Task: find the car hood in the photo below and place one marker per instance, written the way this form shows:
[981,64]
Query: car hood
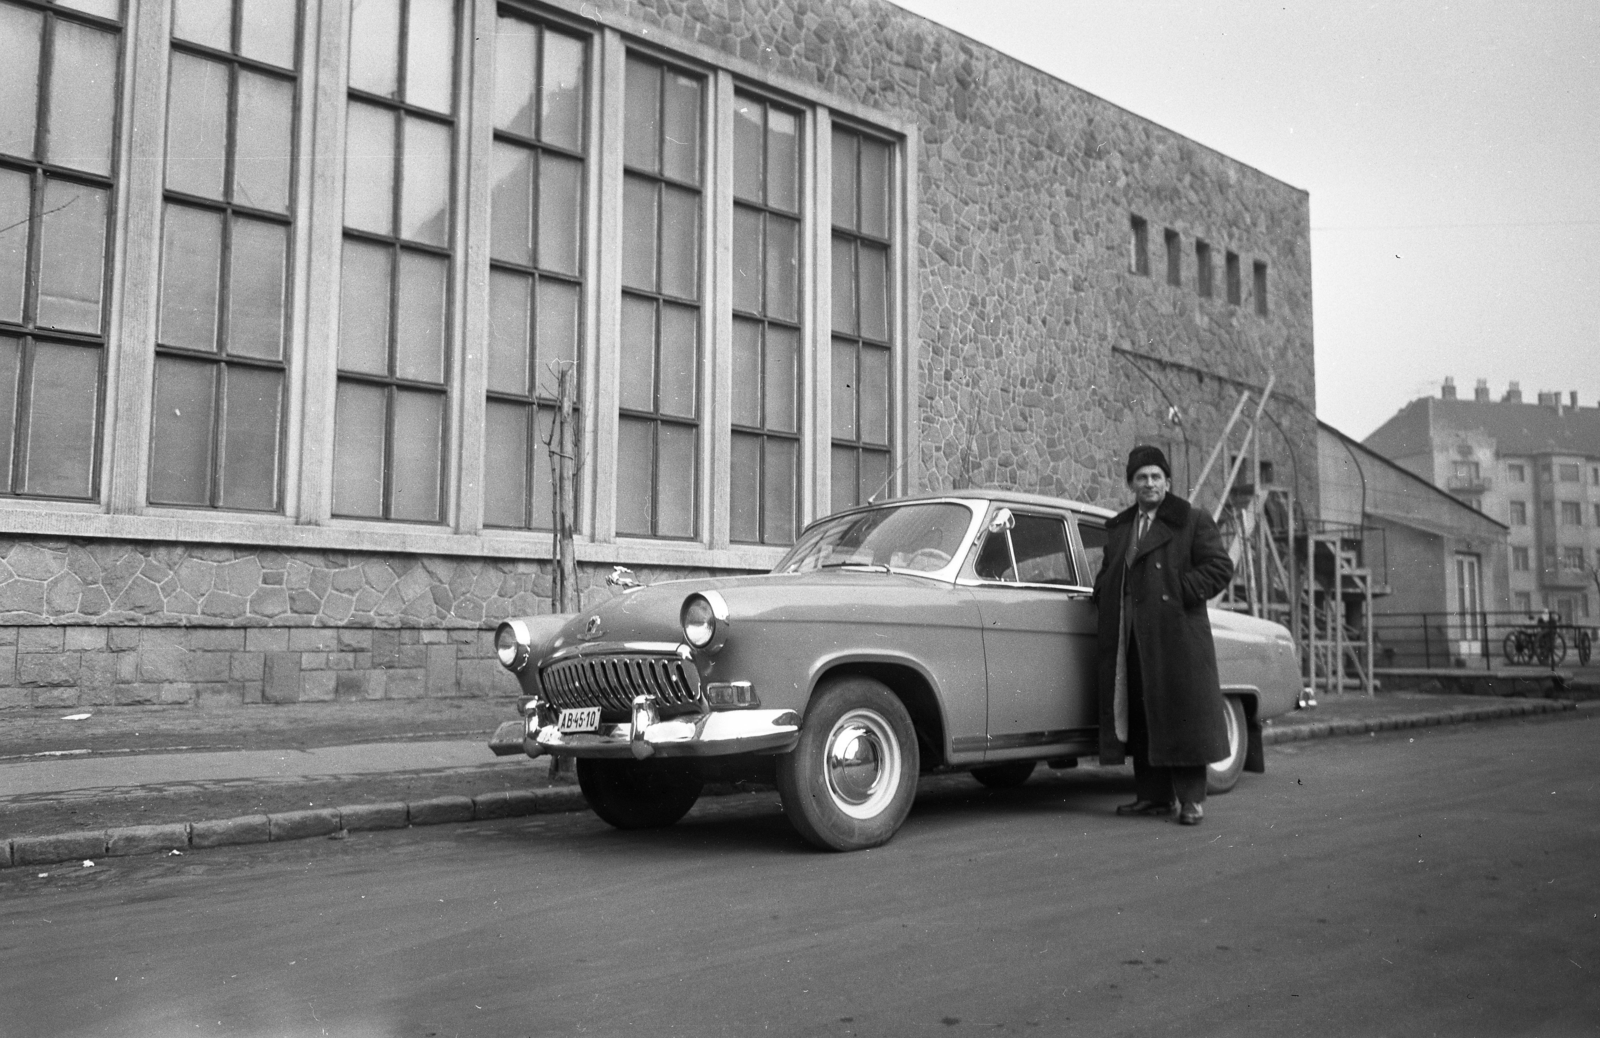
[650,613]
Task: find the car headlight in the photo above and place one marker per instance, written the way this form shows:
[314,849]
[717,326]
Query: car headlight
[704,617]
[513,645]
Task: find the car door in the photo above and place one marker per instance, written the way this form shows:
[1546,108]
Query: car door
[1038,635]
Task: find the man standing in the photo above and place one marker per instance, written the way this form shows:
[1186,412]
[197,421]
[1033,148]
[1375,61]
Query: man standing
[1160,700]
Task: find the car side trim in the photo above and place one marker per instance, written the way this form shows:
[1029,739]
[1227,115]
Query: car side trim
[1021,740]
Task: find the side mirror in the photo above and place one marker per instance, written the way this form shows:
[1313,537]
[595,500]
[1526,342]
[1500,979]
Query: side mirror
[1003,520]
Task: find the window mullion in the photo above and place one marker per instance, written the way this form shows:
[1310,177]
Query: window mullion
[130,365]
[716,418]
[608,282]
[818,430]
[475,134]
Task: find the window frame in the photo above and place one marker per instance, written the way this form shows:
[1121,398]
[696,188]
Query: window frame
[859,342]
[222,358]
[401,110]
[539,407]
[801,324]
[27,332]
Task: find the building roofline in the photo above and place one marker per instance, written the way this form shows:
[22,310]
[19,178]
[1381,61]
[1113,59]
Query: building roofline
[1407,473]
[1089,93]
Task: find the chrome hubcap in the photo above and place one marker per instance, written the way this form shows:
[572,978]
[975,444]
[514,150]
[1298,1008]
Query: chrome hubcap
[863,763]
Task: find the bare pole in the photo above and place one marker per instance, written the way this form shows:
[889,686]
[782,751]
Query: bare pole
[561,445]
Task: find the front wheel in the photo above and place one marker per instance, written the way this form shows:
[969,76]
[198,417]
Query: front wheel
[1224,774]
[639,794]
[849,782]
[1518,650]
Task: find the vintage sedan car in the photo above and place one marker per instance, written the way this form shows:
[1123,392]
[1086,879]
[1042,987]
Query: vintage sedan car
[946,632]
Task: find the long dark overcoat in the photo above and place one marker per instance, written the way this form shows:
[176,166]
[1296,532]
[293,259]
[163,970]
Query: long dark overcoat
[1181,564]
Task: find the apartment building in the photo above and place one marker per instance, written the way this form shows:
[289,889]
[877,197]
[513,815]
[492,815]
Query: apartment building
[1534,466]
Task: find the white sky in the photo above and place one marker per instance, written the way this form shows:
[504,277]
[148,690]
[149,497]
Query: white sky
[1451,150]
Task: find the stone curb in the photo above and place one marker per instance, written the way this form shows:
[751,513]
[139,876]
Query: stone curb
[1325,729]
[285,825]
[299,825]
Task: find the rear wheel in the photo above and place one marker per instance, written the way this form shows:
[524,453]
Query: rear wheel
[1224,774]
[1009,775]
[635,794]
[849,782]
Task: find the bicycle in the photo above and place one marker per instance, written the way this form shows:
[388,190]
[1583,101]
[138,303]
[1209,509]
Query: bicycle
[1583,641]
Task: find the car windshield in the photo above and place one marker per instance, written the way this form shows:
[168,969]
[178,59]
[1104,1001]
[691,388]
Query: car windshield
[921,538]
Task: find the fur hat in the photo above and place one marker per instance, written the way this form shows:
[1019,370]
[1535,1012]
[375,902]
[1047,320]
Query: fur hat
[1144,455]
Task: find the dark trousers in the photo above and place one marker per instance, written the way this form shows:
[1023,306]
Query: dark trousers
[1184,783]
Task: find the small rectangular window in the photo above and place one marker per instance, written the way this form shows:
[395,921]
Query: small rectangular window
[1519,559]
[1517,473]
[1174,258]
[1571,473]
[1202,269]
[1524,601]
[1519,513]
[1139,243]
[1571,513]
[1260,271]
[1234,288]
[1572,558]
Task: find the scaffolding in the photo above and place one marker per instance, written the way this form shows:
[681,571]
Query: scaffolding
[1309,576]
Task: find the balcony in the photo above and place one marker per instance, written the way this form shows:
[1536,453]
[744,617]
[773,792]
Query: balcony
[1564,577]
[1468,486]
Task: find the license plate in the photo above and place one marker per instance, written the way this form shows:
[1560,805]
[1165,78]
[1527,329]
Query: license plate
[579,719]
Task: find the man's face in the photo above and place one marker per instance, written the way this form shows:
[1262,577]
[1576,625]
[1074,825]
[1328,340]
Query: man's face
[1150,485]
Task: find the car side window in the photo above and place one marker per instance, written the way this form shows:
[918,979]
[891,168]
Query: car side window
[1094,537]
[1039,545]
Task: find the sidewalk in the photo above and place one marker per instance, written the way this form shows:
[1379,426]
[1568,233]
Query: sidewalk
[136,780]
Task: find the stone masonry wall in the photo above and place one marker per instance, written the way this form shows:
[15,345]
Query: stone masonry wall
[102,623]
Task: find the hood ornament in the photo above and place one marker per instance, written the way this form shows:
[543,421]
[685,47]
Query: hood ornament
[622,576]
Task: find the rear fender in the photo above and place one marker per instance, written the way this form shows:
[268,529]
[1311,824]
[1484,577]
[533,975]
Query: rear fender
[1255,756]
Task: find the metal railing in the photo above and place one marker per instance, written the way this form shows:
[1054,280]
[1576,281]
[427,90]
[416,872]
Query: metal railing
[1481,641]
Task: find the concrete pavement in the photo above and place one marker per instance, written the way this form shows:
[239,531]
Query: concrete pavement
[216,778]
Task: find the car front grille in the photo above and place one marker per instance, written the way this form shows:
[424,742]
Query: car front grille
[611,681]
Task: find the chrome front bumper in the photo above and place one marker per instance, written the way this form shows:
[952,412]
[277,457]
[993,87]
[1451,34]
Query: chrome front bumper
[713,734]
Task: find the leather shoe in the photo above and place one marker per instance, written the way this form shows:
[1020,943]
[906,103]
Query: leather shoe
[1145,808]
[1190,814]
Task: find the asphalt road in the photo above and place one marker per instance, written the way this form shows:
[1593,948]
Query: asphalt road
[1439,881]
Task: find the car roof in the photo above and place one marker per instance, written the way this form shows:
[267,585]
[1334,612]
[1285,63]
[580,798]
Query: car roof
[1010,497]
